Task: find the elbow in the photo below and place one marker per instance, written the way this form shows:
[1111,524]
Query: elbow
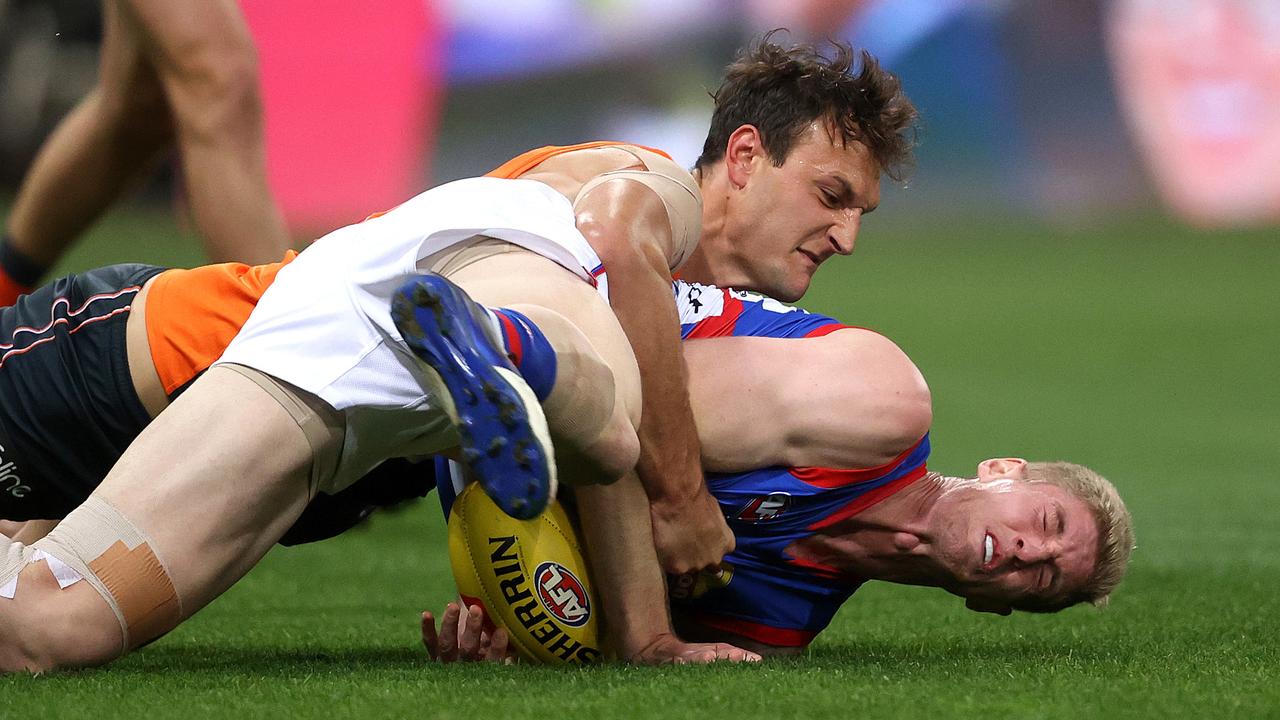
[908,417]
[910,423]
[909,413]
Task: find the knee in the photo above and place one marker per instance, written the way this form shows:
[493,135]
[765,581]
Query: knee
[43,627]
[617,450]
[137,116]
[214,88]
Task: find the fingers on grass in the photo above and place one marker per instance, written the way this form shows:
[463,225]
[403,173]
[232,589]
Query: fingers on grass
[429,638]
[469,642]
[499,646]
[448,644]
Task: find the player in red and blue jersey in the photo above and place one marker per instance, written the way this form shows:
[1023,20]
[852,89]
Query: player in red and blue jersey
[763,591]
[849,497]
[814,441]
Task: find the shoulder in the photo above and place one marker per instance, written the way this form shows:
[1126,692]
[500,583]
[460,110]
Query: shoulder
[873,364]
[583,162]
[708,311]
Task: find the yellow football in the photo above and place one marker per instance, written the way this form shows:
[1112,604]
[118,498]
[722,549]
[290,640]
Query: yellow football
[529,576]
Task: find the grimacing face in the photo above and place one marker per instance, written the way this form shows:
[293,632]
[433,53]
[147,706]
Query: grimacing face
[787,220]
[1009,542]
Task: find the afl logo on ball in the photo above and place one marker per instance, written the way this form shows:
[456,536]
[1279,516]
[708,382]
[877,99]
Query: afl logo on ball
[562,594]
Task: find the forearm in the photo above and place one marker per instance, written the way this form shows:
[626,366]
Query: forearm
[624,565]
[669,467]
[695,632]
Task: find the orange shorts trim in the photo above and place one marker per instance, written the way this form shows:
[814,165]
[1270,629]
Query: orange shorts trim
[192,315]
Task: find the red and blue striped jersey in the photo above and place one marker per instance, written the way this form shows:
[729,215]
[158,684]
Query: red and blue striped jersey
[707,311]
[763,591]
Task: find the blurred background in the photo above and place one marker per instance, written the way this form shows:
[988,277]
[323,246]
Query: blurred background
[1067,111]
[1084,264]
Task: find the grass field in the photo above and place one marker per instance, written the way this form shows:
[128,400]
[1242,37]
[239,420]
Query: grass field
[1144,349]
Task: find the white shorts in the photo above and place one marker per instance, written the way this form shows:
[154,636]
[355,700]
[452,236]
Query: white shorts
[325,323]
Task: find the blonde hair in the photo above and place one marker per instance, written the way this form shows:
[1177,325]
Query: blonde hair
[1115,526]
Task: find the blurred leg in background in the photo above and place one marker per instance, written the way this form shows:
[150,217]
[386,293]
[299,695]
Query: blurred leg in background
[183,73]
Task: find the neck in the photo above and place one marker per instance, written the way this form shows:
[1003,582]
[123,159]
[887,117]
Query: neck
[891,540]
[708,263]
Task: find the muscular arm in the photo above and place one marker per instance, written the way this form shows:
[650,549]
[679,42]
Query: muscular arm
[630,584]
[850,399]
[624,566]
[628,226]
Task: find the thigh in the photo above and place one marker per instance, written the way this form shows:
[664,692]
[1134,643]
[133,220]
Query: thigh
[213,482]
[125,72]
[521,277]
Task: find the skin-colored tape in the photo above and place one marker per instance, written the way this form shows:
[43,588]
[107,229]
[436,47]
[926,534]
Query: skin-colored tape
[321,424]
[141,588]
[681,199]
[458,256]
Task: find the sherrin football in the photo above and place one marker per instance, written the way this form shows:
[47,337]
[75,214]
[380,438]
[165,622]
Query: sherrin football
[529,576]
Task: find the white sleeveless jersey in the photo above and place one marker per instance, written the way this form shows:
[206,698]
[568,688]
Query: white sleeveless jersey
[324,324]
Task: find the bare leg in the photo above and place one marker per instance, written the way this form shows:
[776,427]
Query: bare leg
[248,470]
[33,530]
[45,626]
[212,497]
[594,407]
[98,150]
[206,62]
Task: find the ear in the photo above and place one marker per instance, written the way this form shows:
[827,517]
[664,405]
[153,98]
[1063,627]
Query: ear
[1001,468]
[994,607]
[745,145]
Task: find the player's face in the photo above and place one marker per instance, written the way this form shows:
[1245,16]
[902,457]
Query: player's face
[1008,541]
[789,219]
[1201,82]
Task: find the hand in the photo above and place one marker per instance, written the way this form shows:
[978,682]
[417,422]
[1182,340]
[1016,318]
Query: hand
[690,536]
[668,649]
[462,638]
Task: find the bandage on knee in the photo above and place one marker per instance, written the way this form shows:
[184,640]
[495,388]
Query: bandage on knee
[119,561]
[13,557]
[17,556]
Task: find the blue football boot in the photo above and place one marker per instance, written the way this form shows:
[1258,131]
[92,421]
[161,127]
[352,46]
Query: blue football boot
[502,431]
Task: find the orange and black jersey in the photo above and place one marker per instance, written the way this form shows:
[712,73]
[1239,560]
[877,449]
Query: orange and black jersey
[192,315]
[68,407]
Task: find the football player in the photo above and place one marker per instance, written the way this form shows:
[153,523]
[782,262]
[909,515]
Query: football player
[342,363]
[831,491]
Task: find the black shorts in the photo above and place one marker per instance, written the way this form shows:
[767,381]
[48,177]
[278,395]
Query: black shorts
[68,408]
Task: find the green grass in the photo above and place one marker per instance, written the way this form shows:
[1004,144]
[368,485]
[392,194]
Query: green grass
[1144,349]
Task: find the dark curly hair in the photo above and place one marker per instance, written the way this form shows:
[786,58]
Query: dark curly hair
[782,90]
